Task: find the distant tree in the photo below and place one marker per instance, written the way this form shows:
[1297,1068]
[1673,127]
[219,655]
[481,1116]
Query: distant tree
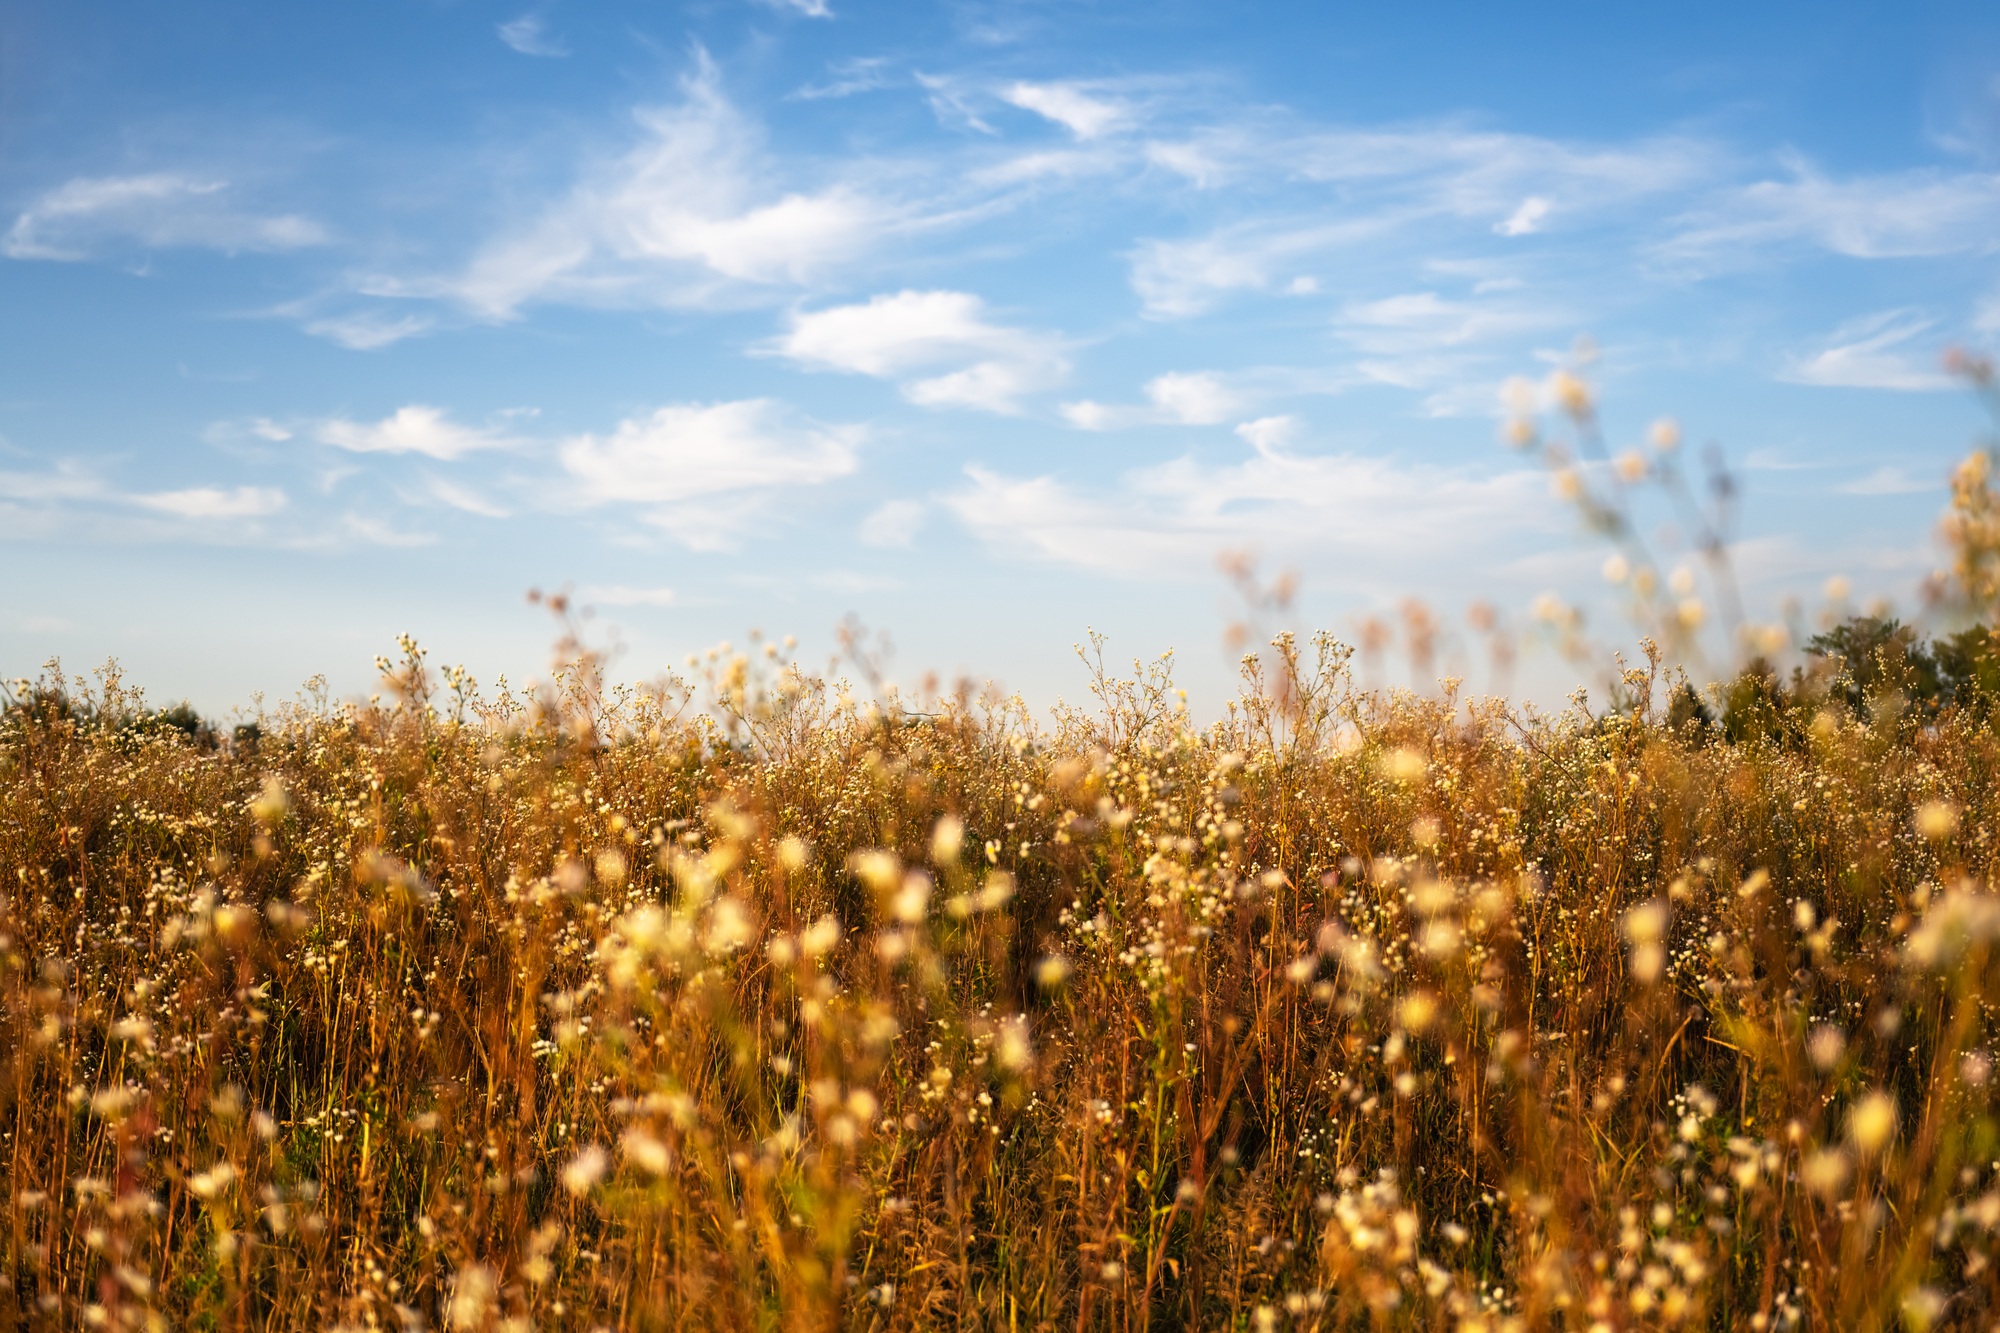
[1877,660]
[180,721]
[43,705]
[1875,657]
[1968,667]
[1758,705]
[182,718]
[48,705]
[1687,711]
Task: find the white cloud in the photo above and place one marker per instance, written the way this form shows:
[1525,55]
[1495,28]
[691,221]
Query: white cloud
[1172,520]
[415,429]
[1447,171]
[702,472]
[1177,279]
[1436,168]
[250,433]
[71,499]
[1901,214]
[1092,415]
[1198,163]
[890,334]
[1418,322]
[686,218]
[373,531]
[161,210]
[1887,481]
[365,331]
[700,211]
[1446,168]
[812,9]
[894,337]
[1411,186]
[53,494]
[69,480]
[726,456]
[951,104]
[1193,399]
[894,523]
[1178,398]
[1525,220]
[212,502]
[864,74]
[1445,348]
[1082,115]
[466,499]
[530,36]
[1872,353]
[1467,394]
[1268,435]
[1062,166]
[989,386]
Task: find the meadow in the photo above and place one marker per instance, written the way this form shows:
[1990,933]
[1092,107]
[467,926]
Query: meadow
[747,1001]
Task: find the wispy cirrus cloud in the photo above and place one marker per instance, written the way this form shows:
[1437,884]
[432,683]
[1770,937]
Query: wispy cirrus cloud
[1392,189]
[1888,481]
[366,529]
[846,78]
[812,9]
[1482,174]
[1419,322]
[465,499]
[529,34]
[1878,351]
[694,214]
[370,330]
[89,215]
[1905,214]
[955,103]
[1084,114]
[1179,279]
[1453,349]
[700,211]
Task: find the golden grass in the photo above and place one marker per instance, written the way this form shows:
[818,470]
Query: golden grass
[755,1007]
[588,1011]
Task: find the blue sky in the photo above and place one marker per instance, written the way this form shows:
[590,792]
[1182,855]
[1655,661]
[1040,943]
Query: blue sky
[983,322]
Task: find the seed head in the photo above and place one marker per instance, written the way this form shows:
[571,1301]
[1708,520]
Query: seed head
[1871,1123]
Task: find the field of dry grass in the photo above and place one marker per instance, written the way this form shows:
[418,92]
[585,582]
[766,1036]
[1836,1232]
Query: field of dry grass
[757,1006]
